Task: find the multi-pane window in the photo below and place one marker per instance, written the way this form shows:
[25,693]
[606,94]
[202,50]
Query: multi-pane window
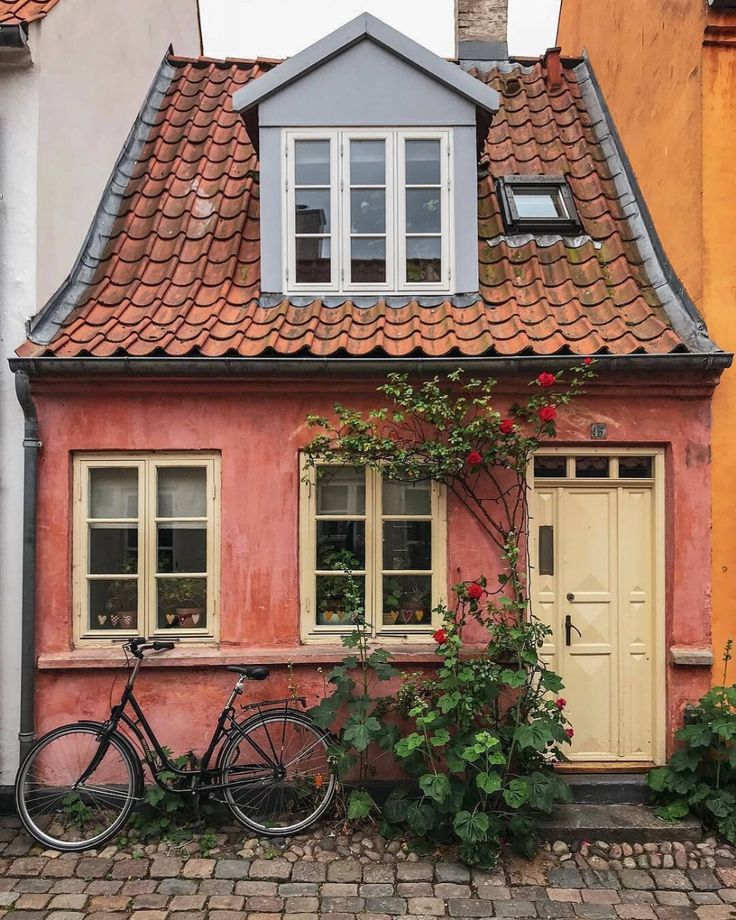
[145,546]
[390,535]
[367,211]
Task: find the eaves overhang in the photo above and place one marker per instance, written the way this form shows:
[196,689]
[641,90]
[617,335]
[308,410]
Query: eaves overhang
[366,27]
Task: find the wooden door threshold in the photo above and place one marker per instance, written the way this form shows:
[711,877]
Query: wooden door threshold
[597,766]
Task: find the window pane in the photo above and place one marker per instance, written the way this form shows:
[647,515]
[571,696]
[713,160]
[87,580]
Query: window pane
[422,162]
[182,548]
[313,260]
[312,210]
[550,467]
[340,490]
[113,550]
[340,543]
[407,600]
[113,604]
[182,603]
[591,467]
[113,493]
[423,259]
[635,467]
[368,260]
[407,497]
[182,491]
[539,203]
[367,162]
[423,210]
[312,165]
[331,599]
[407,545]
[368,211]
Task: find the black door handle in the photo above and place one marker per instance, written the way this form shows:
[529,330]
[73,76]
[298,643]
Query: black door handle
[569,626]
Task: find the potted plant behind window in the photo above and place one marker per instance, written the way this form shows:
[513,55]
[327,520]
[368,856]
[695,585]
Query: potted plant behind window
[414,604]
[183,600]
[331,603]
[121,604]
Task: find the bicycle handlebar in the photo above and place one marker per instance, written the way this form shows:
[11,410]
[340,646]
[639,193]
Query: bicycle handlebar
[139,645]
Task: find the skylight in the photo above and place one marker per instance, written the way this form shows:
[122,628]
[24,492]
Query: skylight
[537,203]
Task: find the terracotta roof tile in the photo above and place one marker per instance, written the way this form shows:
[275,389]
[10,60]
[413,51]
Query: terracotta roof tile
[13,12]
[179,273]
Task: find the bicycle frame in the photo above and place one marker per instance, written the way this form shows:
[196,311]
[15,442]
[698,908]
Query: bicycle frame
[202,776]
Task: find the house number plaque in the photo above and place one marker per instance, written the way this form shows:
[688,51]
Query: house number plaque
[598,431]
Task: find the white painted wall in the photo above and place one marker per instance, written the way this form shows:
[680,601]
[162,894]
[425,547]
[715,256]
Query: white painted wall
[18,158]
[280,28]
[63,123]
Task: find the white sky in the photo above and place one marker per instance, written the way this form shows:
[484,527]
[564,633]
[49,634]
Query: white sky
[277,28]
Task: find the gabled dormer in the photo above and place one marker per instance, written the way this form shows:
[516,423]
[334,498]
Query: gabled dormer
[368,147]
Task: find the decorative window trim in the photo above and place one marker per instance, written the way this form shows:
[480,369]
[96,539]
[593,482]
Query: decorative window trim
[396,281]
[310,631]
[508,185]
[146,464]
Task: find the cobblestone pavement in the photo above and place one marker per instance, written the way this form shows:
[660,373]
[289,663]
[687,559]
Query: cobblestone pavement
[336,878]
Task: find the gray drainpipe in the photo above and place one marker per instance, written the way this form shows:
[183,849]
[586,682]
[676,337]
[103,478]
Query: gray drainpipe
[31,447]
[14,36]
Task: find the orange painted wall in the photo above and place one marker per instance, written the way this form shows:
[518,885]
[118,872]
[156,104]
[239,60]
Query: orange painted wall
[673,98]
[258,427]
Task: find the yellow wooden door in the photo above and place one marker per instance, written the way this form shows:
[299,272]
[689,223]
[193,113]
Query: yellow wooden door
[592,583]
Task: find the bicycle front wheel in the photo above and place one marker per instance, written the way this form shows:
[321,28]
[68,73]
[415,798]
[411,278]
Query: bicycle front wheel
[59,808]
[277,774]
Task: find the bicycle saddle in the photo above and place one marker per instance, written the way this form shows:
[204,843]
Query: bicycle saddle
[250,671]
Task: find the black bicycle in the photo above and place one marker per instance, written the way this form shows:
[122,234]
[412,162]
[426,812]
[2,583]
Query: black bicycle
[80,782]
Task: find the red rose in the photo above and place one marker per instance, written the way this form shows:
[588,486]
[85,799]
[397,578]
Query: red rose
[474,458]
[546,380]
[588,361]
[561,703]
[440,636]
[475,591]
[547,413]
[569,732]
[506,426]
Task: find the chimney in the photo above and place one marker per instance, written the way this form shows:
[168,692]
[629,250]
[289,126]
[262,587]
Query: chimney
[481,28]
[553,69]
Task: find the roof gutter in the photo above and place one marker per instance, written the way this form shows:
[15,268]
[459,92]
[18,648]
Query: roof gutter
[13,36]
[31,448]
[618,365]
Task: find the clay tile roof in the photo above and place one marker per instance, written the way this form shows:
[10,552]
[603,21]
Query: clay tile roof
[13,12]
[171,264]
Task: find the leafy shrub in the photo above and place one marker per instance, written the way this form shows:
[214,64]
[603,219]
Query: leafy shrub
[486,731]
[700,777]
[363,715]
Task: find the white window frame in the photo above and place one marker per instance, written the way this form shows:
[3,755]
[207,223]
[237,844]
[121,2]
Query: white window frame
[396,280]
[147,465]
[312,632]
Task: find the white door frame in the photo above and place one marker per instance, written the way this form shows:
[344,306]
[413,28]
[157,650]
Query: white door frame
[659,746]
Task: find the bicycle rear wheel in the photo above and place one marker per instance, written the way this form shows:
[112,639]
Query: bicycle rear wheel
[60,811]
[277,774]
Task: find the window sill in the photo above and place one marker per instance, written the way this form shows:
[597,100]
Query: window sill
[213,657]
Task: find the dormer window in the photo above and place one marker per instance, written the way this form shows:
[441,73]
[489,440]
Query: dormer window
[367,211]
[537,203]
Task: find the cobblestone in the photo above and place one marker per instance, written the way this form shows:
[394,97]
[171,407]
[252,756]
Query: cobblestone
[299,880]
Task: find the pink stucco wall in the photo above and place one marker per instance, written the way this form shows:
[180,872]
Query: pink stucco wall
[259,426]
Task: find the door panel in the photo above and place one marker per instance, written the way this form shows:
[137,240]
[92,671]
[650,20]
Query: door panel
[603,579]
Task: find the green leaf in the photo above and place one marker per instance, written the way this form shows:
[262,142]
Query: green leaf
[440,737]
[448,701]
[658,778]
[516,793]
[396,806]
[360,805]
[406,746]
[721,804]
[535,735]
[724,727]
[513,679]
[471,828]
[488,782]
[696,735]
[420,817]
[435,785]
[361,733]
[727,827]
[674,810]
